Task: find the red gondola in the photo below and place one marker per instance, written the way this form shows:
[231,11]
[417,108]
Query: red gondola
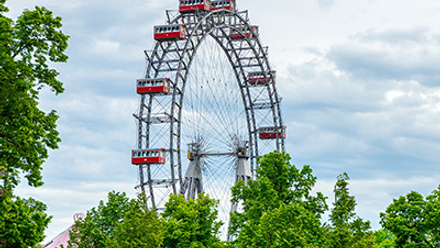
[186,6]
[153,85]
[148,156]
[223,4]
[244,32]
[170,32]
[272,132]
[259,78]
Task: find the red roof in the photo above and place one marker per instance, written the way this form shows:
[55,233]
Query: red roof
[59,240]
[63,237]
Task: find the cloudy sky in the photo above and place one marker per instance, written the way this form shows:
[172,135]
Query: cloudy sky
[359,81]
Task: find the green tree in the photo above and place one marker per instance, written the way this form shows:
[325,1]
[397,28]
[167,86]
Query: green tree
[140,228]
[191,223]
[432,216]
[22,222]
[100,223]
[27,47]
[1,182]
[119,222]
[384,239]
[279,209]
[348,230]
[414,220]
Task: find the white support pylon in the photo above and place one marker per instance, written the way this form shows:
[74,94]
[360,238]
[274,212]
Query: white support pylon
[243,173]
[192,184]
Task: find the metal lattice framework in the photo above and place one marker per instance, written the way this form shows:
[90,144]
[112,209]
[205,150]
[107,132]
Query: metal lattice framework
[208,88]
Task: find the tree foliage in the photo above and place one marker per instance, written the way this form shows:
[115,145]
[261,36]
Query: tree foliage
[123,223]
[413,220]
[100,223]
[22,222]
[27,47]
[404,218]
[348,230]
[384,239]
[140,228]
[279,209]
[432,216]
[191,223]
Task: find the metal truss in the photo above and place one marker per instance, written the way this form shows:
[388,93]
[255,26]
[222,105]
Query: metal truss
[160,116]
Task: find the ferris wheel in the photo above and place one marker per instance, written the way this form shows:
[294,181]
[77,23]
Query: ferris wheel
[208,105]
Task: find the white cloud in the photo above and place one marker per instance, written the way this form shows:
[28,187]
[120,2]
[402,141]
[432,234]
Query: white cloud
[325,3]
[405,54]
[105,47]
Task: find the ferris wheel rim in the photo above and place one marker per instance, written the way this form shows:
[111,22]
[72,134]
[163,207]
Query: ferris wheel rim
[175,149]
